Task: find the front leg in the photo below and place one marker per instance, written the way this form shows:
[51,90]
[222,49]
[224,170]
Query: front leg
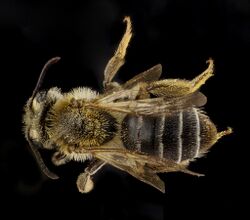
[84,181]
[59,159]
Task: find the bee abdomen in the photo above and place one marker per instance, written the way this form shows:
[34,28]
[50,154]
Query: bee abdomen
[181,136]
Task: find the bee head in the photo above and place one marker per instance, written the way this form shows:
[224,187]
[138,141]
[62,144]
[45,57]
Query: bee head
[35,112]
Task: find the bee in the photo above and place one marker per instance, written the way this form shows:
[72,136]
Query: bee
[143,127]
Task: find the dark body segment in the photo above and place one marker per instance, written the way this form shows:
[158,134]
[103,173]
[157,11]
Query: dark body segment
[190,135]
[181,136]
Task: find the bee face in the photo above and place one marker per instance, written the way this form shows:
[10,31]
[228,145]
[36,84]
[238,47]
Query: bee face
[36,110]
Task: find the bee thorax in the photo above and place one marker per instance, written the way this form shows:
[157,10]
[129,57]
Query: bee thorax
[82,126]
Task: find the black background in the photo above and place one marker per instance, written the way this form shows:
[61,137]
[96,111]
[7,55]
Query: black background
[179,34]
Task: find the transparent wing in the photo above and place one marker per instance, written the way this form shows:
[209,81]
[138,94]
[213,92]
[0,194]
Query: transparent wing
[150,75]
[152,106]
[143,167]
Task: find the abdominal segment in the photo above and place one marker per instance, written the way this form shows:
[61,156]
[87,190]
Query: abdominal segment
[180,136]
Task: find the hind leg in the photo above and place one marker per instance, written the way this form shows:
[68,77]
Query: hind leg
[178,87]
[198,81]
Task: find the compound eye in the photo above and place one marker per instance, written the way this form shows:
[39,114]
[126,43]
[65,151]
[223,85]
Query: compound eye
[41,96]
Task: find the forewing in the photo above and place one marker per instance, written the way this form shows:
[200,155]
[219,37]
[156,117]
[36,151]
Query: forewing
[121,94]
[134,165]
[150,75]
[151,106]
[143,167]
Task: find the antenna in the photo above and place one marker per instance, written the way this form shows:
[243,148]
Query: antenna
[42,74]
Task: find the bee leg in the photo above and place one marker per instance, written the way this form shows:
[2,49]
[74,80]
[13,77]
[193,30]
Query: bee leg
[84,181]
[177,87]
[118,59]
[59,159]
[223,133]
[198,81]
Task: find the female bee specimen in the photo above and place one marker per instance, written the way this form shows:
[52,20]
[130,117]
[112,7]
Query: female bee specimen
[143,127]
